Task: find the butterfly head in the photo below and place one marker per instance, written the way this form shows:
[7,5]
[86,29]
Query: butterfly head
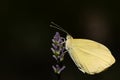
[69,37]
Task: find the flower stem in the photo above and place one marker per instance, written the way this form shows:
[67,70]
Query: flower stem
[58,76]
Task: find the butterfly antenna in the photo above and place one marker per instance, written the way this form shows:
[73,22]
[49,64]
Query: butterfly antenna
[58,27]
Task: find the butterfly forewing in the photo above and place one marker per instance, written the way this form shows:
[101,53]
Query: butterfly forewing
[90,56]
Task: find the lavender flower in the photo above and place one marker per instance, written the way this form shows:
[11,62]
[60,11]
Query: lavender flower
[59,51]
[57,69]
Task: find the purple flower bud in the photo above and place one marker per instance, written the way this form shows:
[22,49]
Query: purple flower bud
[55,57]
[53,40]
[62,40]
[54,46]
[54,68]
[57,36]
[57,69]
[61,57]
[61,69]
[57,66]
[52,50]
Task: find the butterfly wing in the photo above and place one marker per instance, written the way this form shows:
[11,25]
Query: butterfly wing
[89,56]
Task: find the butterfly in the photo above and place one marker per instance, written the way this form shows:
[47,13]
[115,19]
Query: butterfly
[90,57]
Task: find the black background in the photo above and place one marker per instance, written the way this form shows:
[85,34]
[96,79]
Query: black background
[25,36]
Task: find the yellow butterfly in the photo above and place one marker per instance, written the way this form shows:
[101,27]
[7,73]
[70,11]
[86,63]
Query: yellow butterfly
[89,56]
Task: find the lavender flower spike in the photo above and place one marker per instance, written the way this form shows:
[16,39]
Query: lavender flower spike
[58,49]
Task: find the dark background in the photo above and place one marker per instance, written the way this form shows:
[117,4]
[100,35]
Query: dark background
[25,36]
